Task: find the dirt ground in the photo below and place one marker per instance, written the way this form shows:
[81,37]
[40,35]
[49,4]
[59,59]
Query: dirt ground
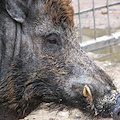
[113,71]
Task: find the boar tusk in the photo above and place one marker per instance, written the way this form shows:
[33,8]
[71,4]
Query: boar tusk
[87,93]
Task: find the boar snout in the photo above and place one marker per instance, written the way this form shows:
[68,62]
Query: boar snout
[116,111]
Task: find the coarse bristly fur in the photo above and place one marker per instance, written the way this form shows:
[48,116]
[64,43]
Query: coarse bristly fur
[41,61]
[60,10]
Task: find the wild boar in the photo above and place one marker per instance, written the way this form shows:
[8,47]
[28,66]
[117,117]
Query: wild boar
[41,61]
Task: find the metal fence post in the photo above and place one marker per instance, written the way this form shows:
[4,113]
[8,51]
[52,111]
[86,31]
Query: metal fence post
[80,30]
[107,4]
[94,19]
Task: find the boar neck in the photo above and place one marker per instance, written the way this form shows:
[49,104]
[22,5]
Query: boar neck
[5,114]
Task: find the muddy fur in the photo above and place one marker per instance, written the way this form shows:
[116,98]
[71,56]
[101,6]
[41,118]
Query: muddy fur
[60,10]
[41,61]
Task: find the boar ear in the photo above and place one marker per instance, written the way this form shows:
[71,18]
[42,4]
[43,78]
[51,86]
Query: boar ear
[17,9]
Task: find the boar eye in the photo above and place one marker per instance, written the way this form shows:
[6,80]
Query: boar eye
[53,42]
[52,39]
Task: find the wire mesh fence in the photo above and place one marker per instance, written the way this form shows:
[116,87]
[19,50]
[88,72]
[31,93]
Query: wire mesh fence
[95,18]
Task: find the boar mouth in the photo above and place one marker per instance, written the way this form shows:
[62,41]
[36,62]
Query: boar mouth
[102,106]
[105,105]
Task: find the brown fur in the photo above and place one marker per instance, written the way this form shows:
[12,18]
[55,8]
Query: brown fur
[41,61]
[60,10]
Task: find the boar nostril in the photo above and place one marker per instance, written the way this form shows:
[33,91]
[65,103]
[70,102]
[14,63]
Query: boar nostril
[119,113]
[116,113]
